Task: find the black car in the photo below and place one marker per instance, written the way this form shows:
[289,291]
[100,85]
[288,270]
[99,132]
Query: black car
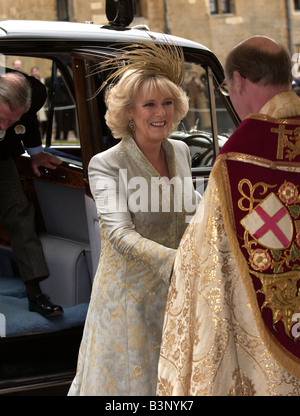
[39,355]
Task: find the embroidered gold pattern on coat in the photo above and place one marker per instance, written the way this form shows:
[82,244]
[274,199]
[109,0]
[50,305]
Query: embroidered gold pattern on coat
[215,341]
[211,343]
[243,386]
[248,200]
[281,296]
[263,162]
[288,142]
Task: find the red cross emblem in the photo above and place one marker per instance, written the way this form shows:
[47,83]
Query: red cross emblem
[270,223]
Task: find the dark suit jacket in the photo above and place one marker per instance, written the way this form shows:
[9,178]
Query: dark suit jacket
[11,145]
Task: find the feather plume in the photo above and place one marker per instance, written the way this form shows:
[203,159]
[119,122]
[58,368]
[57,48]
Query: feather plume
[163,59]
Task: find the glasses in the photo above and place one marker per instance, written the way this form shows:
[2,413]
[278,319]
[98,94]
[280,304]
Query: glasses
[223,88]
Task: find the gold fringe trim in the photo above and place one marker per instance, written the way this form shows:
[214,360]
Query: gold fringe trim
[293,167]
[286,359]
[264,117]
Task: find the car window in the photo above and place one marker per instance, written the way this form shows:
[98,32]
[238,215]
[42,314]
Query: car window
[57,118]
[63,121]
[196,87]
[60,212]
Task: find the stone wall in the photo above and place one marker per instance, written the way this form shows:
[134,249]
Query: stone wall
[187,18]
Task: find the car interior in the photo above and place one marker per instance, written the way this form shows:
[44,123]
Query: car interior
[60,204]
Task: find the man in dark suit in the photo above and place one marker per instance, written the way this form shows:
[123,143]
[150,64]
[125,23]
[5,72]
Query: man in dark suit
[20,99]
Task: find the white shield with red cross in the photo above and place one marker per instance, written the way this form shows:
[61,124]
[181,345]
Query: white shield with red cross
[270,223]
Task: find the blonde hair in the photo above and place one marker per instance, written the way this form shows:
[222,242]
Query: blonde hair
[121,96]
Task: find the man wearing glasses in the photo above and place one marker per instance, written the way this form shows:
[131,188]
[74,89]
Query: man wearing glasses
[232,317]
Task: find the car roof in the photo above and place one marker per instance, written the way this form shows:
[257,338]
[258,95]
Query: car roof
[50,36]
[47,30]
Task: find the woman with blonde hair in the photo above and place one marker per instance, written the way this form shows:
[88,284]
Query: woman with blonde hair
[144,196]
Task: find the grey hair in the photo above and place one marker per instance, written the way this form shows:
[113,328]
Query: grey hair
[15,91]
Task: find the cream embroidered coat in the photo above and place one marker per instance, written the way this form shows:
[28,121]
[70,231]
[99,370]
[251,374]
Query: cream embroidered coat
[120,347]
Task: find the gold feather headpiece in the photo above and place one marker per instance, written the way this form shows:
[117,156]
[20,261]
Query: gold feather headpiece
[161,58]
